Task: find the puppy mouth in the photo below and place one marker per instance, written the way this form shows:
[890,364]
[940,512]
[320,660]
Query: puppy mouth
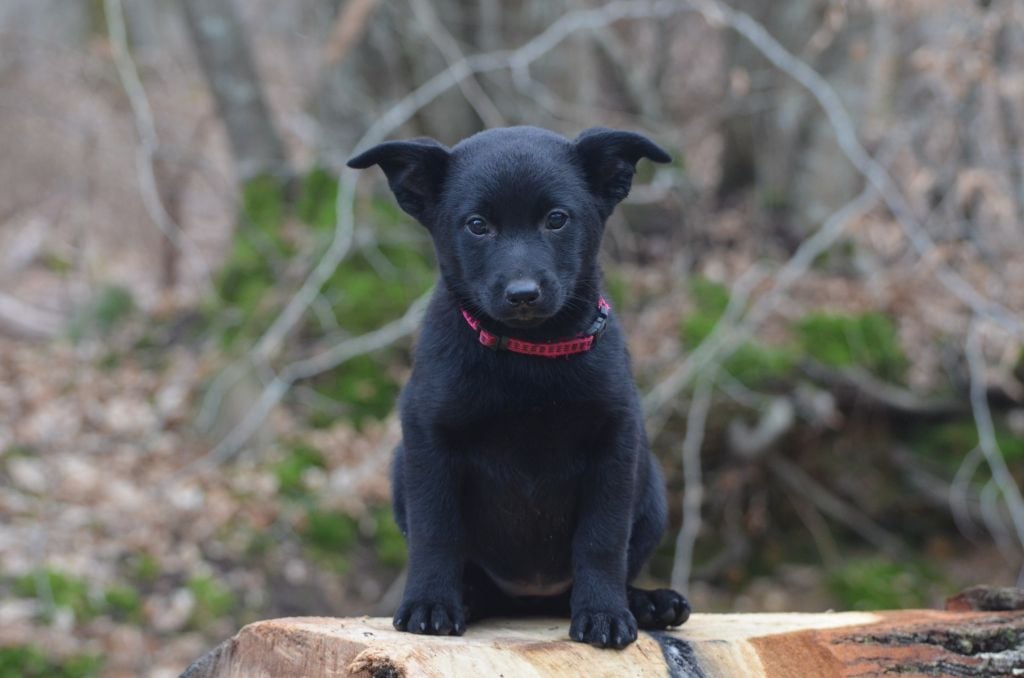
[524,321]
[523,318]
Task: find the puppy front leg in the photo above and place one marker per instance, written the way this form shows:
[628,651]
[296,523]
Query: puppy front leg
[600,612]
[432,602]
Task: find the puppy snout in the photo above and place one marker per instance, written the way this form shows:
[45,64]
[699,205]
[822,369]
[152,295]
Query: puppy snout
[522,292]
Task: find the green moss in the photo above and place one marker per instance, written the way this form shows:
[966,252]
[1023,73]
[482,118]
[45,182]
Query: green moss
[112,306]
[947,442]
[145,569]
[59,589]
[289,470]
[56,263]
[64,591]
[330,535]
[364,299]
[869,340]
[362,387]
[751,363]
[123,603]
[263,206]
[617,288]
[213,601]
[385,212]
[755,365]
[878,583]
[27,661]
[318,199]
[387,539]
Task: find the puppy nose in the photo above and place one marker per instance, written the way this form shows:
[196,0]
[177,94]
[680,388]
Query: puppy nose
[522,291]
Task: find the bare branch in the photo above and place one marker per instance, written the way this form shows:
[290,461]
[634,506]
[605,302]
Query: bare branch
[986,433]
[728,335]
[278,386]
[839,509]
[449,48]
[693,492]
[20,319]
[846,135]
[149,143]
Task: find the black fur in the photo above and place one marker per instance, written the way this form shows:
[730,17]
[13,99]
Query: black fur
[523,484]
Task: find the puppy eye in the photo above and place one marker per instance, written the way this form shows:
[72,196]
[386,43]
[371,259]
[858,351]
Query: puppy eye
[556,219]
[477,226]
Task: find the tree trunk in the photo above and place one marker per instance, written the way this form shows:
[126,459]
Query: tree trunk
[223,52]
[913,642]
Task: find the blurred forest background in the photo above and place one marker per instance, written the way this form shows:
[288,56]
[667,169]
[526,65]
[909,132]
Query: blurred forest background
[204,320]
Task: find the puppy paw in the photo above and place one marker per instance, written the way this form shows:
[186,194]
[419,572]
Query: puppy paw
[603,628]
[430,618]
[658,609]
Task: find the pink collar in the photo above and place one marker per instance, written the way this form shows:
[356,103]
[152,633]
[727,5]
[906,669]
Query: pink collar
[546,349]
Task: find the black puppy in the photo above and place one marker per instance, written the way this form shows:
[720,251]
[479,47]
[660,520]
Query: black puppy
[524,483]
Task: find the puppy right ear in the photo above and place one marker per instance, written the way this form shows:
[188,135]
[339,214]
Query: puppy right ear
[415,170]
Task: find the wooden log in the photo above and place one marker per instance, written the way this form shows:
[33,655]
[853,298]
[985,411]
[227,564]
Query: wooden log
[907,643]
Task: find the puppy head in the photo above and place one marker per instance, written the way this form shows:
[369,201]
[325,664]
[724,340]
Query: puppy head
[516,214]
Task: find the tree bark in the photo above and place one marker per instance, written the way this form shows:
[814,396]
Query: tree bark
[913,642]
[220,42]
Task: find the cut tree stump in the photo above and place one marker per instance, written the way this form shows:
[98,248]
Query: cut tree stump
[907,643]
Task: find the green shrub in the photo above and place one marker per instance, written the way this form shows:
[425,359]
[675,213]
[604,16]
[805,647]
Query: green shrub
[61,589]
[317,204]
[289,470]
[878,583]
[362,387]
[111,306]
[123,603]
[213,601]
[751,363]
[329,532]
[869,340]
[387,538]
[27,661]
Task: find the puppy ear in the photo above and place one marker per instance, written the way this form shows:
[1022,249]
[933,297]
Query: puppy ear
[415,170]
[609,160]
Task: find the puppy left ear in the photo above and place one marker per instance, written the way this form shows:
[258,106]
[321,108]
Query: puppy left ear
[415,170]
[609,160]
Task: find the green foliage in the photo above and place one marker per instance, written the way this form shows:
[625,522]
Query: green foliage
[64,591]
[28,661]
[263,206]
[213,601]
[59,589]
[617,287]
[317,205]
[751,363]
[754,364]
[289,470]
[112,305]
[948,441]
[56,263]
[711,300]
[387,539]
[259,248]
[145,569]
[364,297]
[878,583]
[329,533]
[123,603]
[869,340]
[362,386]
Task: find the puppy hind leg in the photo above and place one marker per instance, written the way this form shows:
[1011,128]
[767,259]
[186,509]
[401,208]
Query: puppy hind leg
[658,608]
[398,492]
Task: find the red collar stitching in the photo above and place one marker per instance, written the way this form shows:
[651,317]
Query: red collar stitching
[547,349]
